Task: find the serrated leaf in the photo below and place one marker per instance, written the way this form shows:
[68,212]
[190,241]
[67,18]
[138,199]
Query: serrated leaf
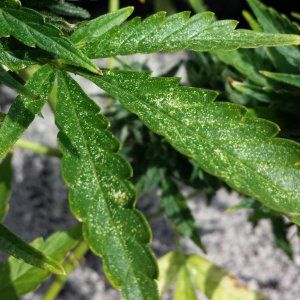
[178,212]
[29,27]
[215,283]
[23,110]
[292,79]
[101,196]
[10,81]
[272,21]
[99,26]
[221,137]
[13,245]
[184,287]
[178,32]
[18,278]
[6,174]
[169,266]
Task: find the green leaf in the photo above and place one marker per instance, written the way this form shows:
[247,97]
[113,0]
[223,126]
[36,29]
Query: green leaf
[272,21]
[10,3]
[221,137]
[178,32]
[246,203]
[216,284]
[291,79]
[169,266]
[29,27]
[18,278]
[6,174]
[24,109]
[10,81]
[11,61]
[251,21]
[101,196]
[177,210]
[13,245]
[99,26]
[184,288]
[69,9]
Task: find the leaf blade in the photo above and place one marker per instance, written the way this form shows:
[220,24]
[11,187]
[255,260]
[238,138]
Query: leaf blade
[101,196]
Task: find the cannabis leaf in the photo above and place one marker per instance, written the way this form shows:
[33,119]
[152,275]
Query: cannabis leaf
[13,245]
[177,32]
[221,137]
[24,109]
[101,196]
[292,79]
[18,278]
[29,27]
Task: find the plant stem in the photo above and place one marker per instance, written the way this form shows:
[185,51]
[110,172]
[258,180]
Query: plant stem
[37,148]
[69,265]
[113,6]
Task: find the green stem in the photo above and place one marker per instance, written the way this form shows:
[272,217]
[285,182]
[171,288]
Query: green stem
[69,265]
[113,6]
[37,148]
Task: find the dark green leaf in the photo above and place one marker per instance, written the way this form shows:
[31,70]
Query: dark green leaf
[29,27]
[178,32]
[13,245]
[291,79]
[101,196]
[23,110]
[6,174]
[177,210]
[18,278]
[221,137]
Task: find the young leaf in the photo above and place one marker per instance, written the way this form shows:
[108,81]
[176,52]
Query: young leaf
[169,266]
[6,174]
[184,287]
[177,210]
[24,109]
[178,32]
[28,26]
[101,196]
[13,245]
[216,284]
[15,85]
[18,278]
[221,137]
[291,79]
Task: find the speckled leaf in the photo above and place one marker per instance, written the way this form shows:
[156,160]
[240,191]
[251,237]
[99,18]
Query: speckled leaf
[23,109]
[215,283]
[101,196]
[6,174]
[176,209]
[11,61]
[221,137]
[10,81]
[291,79]
[29,27]
[18,278]
[13,245]
[178,32]
[99,26]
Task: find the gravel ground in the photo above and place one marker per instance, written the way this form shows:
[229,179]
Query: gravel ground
[39,207]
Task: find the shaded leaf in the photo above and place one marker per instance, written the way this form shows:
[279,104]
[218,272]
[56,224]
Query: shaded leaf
[29,27]
[101,196]
[178,32]
[291,79]
[13,245]
[216,284]
[6,174]
[23,110]
[18,278]
[176,209]
[221,137]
